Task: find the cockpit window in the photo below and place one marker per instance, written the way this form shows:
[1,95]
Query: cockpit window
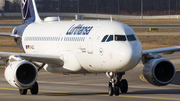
[110,38]
[104,39]
[120,38]
[131,38]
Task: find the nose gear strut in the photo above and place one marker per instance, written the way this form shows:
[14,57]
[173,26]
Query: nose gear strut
[116,84]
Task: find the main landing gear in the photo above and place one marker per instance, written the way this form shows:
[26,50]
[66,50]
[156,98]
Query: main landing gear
[34,90]
[116,84]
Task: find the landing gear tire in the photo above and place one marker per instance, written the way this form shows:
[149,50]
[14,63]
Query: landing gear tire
[124,86]
[34,89]
[116,85]
[110,89]
[117,90]
[23,91]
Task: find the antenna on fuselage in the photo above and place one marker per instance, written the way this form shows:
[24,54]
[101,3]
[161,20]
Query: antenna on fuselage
[59,18]
[111,18]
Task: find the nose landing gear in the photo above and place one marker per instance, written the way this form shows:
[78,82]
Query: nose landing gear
[116,84]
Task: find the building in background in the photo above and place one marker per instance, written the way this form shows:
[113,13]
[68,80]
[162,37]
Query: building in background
[118,7]
[1,5]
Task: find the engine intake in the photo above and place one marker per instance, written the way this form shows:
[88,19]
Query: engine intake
[159,72]
[21,74]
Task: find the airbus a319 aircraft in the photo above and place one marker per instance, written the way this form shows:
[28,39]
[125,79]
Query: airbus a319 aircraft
[75,47]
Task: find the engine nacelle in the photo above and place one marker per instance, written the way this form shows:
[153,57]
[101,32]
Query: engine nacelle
[21,74]
[159,72]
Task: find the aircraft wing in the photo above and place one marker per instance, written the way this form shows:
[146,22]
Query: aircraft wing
[9,35]
[167,50]
[48,59]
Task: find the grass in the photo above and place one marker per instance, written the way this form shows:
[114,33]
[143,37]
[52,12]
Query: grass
[138,30]
[150,21]
[8,30]
[151,42]
[11,21]
[7,44]
[146,30]
[126,21]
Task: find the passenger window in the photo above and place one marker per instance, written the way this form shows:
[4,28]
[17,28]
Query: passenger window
[131,38]
[120,38]
[110,38]
[104,39]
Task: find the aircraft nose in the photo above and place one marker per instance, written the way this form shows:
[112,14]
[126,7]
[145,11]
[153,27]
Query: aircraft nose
[131,55]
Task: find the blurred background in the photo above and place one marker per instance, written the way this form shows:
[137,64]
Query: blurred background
[113,7]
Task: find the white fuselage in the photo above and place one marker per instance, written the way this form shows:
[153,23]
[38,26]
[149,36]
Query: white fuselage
[84,40]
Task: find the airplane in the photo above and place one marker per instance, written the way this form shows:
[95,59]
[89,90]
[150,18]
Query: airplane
[80,47]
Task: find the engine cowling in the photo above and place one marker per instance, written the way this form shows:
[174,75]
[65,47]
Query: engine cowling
[159,72]
[21,74]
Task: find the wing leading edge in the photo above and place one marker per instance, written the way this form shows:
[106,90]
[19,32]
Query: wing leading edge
[48,59]
[10,35]
[167,50]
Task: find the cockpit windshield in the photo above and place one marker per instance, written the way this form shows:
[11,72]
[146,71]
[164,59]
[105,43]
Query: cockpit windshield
[109,38]
[104,39]
[131,38]
[120,38]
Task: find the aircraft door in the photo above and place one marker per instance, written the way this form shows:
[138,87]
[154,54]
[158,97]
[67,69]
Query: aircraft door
[90,40]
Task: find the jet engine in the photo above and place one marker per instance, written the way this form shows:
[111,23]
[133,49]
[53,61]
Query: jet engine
[159,72]
[21,74]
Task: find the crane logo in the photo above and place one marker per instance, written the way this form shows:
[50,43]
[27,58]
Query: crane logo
[25,8]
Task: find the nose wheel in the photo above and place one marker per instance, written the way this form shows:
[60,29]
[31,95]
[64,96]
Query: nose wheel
[116,84]
[123,86]
[110,89]
[116,90]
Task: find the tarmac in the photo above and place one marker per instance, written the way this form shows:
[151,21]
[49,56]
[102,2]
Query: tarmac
[92,87]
